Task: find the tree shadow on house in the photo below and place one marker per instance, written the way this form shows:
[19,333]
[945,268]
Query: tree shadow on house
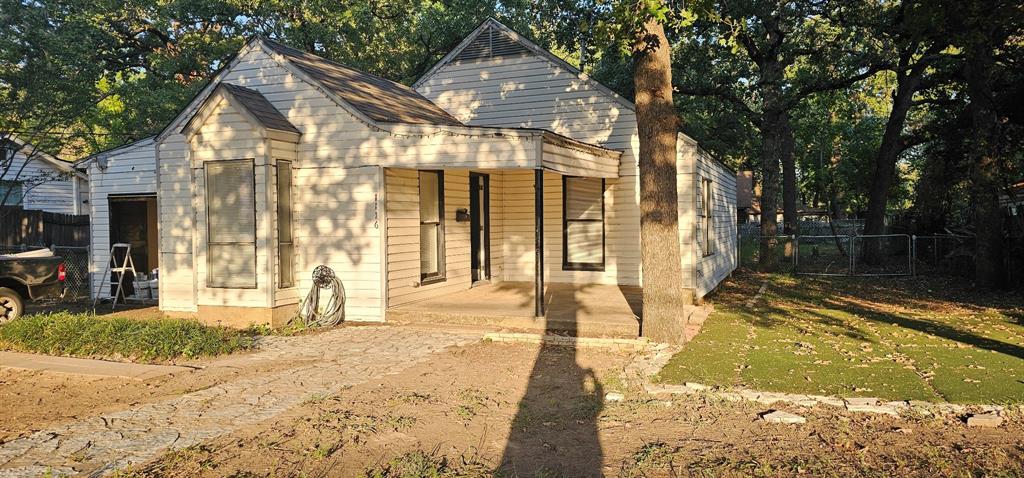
[555,429]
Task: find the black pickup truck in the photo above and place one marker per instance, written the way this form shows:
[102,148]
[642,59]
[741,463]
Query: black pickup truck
[29,275]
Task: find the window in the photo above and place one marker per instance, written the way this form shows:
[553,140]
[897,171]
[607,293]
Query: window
[231,224]
[431,226]
[582,224]
[285,243]
[10,193]
[704,218]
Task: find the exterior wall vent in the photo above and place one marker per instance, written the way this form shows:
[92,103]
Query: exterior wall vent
[489,44]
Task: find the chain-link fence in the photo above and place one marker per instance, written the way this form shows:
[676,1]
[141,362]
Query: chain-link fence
[76,267]
[882,255]
[782,248]
[944,254]
[824,255]
[831,254]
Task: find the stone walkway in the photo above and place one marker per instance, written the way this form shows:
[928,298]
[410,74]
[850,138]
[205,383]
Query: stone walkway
[325,363]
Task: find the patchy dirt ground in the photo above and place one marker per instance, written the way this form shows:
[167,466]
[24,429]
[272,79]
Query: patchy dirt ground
[35,400]
[530,411]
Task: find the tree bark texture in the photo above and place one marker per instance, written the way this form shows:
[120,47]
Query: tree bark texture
[790,216]
[772,146]
[985,184]
[663,299]
[884,174]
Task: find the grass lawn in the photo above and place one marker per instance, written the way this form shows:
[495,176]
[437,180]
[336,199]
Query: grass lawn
[90,336]
[894,338]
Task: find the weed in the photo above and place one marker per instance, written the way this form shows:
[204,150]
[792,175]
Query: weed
[421,464]
[652,456]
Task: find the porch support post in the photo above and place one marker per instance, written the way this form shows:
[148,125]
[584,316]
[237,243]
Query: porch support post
[538,234]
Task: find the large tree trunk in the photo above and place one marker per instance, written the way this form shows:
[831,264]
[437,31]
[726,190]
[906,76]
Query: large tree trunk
[885,161]
[663,301]
[772,146]
[790,217]
[985,184]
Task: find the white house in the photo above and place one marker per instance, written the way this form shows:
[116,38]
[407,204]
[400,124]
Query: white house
[504,184]
[33,179]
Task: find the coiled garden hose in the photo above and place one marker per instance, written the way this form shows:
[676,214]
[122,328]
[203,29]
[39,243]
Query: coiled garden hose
[311,313]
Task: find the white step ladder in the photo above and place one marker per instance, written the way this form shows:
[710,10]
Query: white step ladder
[127,265]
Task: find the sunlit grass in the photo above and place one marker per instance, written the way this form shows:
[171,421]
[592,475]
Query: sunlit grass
[887,338]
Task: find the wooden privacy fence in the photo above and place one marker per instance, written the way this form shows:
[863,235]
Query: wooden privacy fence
[20,226]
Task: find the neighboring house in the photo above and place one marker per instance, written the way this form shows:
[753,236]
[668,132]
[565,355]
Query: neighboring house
[36,180]
[122,205]
[287,161]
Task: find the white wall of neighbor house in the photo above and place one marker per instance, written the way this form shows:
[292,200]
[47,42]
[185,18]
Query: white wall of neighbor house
[129,172]
[531,91]
[48,188]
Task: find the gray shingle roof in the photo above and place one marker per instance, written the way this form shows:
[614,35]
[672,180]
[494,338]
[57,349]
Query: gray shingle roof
[260,108]
[377,98]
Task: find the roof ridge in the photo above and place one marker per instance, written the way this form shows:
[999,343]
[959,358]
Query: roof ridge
[374,96]
[336,63]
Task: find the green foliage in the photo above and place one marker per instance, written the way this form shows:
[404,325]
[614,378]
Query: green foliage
[87,335]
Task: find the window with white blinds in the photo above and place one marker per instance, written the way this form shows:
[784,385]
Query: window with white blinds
[285,242]
[582,224]
[231,224]
[431,226]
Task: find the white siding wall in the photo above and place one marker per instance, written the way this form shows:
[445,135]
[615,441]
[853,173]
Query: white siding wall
[177,225]
[339,223]
[714,268]
[132,171]
[403,236]
[55,195]
[530,91]
[226,134]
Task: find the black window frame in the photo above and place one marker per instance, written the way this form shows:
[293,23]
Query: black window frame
[582,266]
[281,283]
[441,274]
[255,224]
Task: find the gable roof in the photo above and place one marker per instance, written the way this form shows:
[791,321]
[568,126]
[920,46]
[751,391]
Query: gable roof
[378,98]
[492,39]
[260,108]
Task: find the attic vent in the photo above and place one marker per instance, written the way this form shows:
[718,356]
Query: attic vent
[491,43]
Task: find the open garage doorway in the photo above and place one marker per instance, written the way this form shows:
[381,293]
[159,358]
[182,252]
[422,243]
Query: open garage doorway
[133,221]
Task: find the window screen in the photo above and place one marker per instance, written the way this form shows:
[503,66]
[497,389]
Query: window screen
[431,225]
[583,224]
[285,243]
[231,224]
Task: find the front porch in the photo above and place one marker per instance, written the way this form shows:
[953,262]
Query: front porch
[582,310]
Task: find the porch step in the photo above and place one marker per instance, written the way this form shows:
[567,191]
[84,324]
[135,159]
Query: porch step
[626,328]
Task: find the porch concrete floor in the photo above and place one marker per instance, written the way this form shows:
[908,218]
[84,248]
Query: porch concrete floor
[586,310]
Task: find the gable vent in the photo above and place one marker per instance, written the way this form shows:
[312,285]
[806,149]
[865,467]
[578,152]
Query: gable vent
[491,43]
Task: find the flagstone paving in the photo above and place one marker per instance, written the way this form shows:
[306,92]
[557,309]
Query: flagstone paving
[325,363]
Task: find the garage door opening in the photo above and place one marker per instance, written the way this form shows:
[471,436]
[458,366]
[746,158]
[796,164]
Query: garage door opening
[133,221]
